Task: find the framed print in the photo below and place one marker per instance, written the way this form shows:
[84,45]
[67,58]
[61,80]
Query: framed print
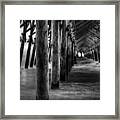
[59,60]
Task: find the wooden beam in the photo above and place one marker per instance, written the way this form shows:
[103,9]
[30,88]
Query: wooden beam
[82,31]
[95,33]
[82,45]
[81,38]
[78,22]
[90,32]
[82,25]
[42,60]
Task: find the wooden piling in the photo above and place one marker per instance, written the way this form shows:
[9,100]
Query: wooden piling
[55,56]
[33,55]
[66,52]
[72,53]
[42,60]
[23,40]
[93,54]
[29,45]
[98,49]
[63,52]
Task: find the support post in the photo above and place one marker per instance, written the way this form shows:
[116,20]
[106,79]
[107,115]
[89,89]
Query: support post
[23,40]
[42,60]
[33,54]
[98,53]
[72,53]
[29,45]
[55,56]
[66,52]
[63,52]
[93,54]
[68,55]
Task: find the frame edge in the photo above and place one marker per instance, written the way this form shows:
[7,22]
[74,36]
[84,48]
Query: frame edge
[2,62]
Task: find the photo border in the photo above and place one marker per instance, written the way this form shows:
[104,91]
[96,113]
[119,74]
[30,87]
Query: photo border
[55,2]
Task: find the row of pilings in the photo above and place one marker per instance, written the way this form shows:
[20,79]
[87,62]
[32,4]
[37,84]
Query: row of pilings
[53,52]
[61,56]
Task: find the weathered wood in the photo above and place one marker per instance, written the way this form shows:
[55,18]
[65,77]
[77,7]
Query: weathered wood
[98,52]
[33,55]
[42,60]
[55,56]
[72,53]
[21,51]
[95,54]
[66,53]
[69,55]
[67,58]
[29,45]
[50,51]
[23,40]
[81,32]
[59,47]
[35,61]
[63,52]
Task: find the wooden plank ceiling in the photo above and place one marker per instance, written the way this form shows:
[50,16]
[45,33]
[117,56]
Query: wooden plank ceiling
[86,33]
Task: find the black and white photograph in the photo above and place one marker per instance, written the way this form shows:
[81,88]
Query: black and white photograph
[59,59]
[58,56]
